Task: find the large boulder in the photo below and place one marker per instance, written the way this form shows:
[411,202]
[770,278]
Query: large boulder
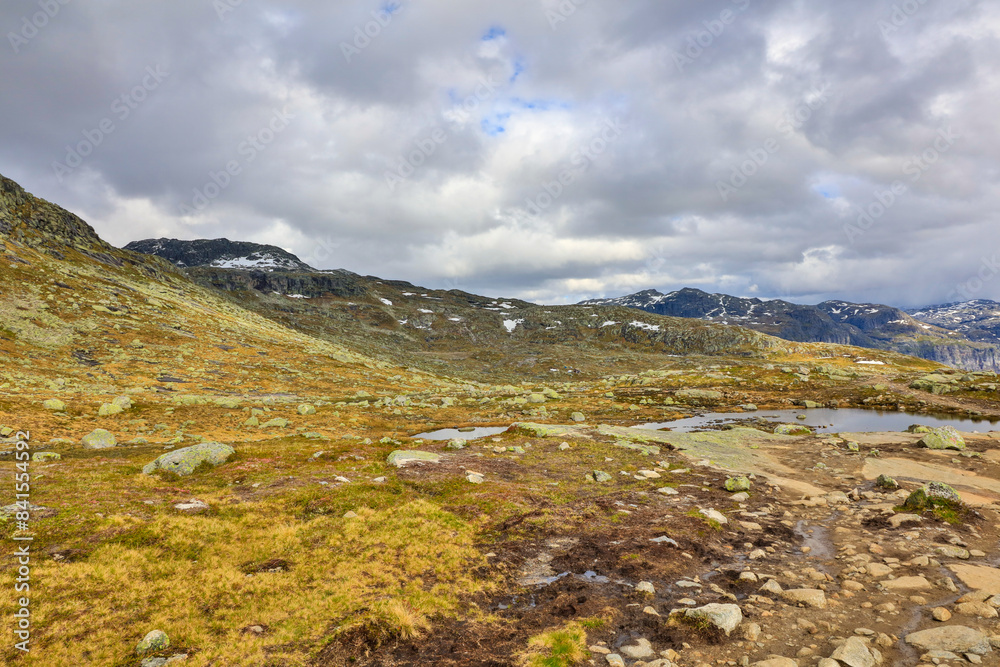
[99,439]
[699,395]
[185,461]
[725,617]
[943,438]
[953,638]
[109,409]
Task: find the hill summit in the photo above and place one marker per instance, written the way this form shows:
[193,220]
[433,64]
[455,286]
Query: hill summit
[221,253]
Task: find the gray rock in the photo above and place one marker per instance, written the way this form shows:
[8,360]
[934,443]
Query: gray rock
[99,439]
[578,417]
[954,638]
[855,652]
[726,617]
[641,649]
[306,409]
[601,476]
[457,443]
[109,409]
[277,422]
[184,461]
[776,662]
[42,457]
[792,429]
[54,404]
[645,587]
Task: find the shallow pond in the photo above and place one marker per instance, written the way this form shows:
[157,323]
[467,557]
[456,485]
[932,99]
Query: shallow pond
[829,421]
[474,434]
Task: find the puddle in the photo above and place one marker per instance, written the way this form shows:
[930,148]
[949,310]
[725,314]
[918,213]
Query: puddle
[825,420]
[817,538]
[474,434]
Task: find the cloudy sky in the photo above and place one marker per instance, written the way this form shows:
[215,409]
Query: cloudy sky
[550,150]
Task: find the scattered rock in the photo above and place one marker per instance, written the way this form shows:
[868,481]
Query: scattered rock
[55,405]
[714,515]
[109,409]
[277,422]
[156,640]
[855,652]
[792,429]
[940,614]
[809,597]
[645,587]
[99,439]
[906,584]
[42,457]
[726,617]
[601,476]
[184,461]
[457,443]
[193,506]
[954,638]
[306,409]
[578,417]
[475,478]
[886,483]
[641,649]
[737,484]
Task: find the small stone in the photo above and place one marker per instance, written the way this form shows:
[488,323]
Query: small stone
[601,476]
[54,404]
[475,478]
[645,587]
[714,515]
[940,614]
[641,649]
[350,515]
[614,660]
[306,409]
[457,443]
[578,417]
[192,506]
[156,640]
[855,652]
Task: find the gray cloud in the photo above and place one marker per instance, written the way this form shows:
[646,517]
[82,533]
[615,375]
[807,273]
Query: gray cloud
[494,119]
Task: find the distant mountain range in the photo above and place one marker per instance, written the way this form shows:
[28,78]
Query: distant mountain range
[965,335]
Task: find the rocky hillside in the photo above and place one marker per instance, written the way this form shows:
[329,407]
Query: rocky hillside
[865,325]
[221,253]
[977,320]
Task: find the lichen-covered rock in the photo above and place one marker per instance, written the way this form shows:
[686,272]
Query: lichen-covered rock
[886,483]
[184,461]
[99,439]
[123,402]
[737,484]
[457,443]
[601,476]
[943,438]
[42,457]
[277,422]
[699,395]
[156,640]
[792,429]
[306,409]
[109,409]
[578,417]
[54,404]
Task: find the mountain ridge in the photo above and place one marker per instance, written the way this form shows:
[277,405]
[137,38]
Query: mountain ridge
[874,326]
